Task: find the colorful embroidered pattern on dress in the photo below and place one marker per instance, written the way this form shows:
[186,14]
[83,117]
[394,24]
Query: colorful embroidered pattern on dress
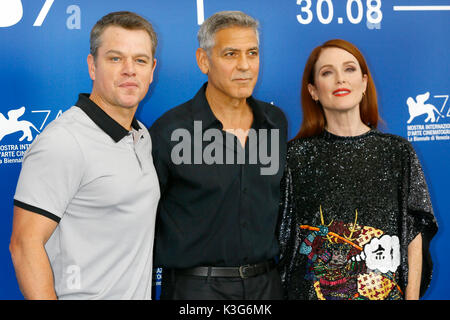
[350,261]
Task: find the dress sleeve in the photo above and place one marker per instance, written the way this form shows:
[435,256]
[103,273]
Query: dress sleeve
[288,230]
[420,217]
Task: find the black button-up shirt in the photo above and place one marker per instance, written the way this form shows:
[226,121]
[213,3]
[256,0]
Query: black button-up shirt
[220,212]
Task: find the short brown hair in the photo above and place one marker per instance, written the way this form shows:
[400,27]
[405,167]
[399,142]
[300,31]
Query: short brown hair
[125,19]
[313,115]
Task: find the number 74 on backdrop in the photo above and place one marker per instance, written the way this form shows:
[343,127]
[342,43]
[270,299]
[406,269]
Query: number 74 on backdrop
[11,13]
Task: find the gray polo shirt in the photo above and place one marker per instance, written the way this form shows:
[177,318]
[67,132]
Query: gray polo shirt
[97,180]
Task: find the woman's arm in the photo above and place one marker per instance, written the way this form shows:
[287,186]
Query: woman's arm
[414,268]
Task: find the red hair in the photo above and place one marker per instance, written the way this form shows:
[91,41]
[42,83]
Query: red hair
[313,115]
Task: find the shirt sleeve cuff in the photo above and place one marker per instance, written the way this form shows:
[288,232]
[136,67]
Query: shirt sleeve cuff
[37,210]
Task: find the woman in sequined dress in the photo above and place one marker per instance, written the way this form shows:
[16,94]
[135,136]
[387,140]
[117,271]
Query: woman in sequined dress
[356,217]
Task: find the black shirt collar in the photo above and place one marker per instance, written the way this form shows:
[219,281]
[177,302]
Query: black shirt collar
[202,111]
[102,119]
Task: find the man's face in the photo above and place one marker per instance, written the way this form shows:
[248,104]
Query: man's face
[123,68]
[233,64]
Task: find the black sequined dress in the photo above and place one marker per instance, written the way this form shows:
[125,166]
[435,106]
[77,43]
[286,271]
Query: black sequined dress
[350,207]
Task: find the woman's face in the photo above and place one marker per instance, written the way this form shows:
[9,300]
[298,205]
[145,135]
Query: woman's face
[339,82]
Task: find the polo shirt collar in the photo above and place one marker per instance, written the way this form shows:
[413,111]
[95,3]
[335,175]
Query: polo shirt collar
[102,119]
[202,111]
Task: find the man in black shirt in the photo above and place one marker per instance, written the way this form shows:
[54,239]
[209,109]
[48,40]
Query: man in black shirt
[220,158]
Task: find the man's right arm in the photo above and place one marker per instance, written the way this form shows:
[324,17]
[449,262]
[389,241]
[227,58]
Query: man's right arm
[29,235]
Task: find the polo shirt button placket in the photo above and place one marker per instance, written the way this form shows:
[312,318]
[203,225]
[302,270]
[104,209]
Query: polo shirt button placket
[139,146]
[132,139]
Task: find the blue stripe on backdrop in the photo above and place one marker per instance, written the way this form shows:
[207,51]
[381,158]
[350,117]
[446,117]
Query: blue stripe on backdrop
[43,68]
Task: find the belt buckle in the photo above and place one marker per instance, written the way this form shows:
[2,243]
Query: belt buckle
[242,271]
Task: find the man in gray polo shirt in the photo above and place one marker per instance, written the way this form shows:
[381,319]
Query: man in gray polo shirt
[87,194]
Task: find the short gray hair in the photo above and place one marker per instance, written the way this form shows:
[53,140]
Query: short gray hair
[222,20]
[125,19]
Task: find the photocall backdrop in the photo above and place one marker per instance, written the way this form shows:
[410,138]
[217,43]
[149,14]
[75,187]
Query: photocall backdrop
[44,45]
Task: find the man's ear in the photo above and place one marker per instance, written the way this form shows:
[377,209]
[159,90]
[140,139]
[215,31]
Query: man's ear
[153,70]
[91,66]
[202,60]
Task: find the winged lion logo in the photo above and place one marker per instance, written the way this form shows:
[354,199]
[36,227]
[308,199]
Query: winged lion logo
[418,107]
[12,125]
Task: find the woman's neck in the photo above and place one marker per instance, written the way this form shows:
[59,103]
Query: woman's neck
[345,124]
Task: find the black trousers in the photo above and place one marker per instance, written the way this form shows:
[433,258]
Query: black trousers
[182,287]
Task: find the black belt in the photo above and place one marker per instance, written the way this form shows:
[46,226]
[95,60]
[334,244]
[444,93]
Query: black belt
[247,271]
